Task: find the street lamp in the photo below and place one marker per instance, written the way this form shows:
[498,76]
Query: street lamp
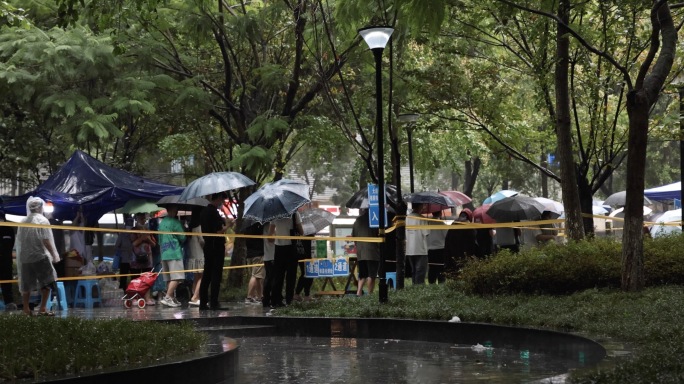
[410,119]
[377,38]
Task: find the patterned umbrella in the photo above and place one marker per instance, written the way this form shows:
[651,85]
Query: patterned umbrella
[315,220]
[433,201]
[276,200]
[214,183]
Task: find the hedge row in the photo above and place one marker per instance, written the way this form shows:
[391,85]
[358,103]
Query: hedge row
[572,267]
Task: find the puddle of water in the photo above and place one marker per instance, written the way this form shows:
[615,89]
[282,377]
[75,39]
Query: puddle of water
[345,360]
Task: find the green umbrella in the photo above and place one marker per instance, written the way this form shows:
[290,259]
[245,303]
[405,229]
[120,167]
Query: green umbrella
[139,205]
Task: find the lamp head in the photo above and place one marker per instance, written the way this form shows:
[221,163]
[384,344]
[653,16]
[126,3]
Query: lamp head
[408,117]
[376,37]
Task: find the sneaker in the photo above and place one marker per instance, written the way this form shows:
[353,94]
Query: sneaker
[297,298]
[168,301]
[176,301]
[249,300]
[150,303]
[195,303]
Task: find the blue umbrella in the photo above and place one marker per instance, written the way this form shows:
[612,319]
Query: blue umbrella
[214,183]
[499,196]
[276,200]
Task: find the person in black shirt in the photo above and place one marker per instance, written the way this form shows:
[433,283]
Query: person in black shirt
[214,252]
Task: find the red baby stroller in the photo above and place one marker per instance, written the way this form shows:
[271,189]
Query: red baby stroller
[137,289]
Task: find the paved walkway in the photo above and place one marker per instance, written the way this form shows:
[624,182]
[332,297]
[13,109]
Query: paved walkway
[159,312]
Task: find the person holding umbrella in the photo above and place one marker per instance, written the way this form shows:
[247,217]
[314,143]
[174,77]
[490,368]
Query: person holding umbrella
[285,259]
[416,244]
[214,252]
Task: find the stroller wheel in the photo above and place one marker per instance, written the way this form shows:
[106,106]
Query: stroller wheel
[128,304]
[141,303]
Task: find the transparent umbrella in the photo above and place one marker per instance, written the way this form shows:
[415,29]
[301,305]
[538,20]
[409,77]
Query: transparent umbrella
[315,220]
[214,183]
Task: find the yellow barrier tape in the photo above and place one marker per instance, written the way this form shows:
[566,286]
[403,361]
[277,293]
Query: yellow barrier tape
[116,276]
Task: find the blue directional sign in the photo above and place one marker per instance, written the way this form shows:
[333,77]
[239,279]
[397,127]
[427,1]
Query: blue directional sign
[341,267]
[311,268]
[327,267]
[374,207]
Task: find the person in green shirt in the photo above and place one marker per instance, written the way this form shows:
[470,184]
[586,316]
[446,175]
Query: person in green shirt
[171,246]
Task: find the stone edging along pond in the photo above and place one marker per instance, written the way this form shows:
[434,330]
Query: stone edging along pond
[220,362]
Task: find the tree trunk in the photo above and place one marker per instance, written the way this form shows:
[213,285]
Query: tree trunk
[573,225]
[640,99]
[586,202]
[632,237]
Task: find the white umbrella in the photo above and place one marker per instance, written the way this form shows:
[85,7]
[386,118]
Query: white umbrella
[620,212]
[551,205]
[672,216]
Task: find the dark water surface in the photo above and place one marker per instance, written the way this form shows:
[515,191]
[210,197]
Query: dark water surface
[344,360]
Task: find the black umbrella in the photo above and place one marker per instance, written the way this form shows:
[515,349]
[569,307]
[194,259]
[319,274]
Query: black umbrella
[431,198]
[276,200]
[515,208]
[620,199]
[360,198]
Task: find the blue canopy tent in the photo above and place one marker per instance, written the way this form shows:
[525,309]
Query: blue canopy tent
[84,182]
[665,193]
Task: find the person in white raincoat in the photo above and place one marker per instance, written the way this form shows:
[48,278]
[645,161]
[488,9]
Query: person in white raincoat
[36,252]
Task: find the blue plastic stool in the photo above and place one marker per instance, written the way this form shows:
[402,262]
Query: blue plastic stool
[391,278]
[84,293]
[61,297]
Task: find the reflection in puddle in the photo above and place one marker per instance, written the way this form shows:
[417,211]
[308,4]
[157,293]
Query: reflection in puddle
[346,360]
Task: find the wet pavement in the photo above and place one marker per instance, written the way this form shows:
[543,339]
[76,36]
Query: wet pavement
[303,359]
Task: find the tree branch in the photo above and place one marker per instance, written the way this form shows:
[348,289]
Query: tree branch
[577,36]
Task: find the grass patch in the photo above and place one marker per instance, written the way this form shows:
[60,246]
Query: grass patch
[651,320]
[44,348]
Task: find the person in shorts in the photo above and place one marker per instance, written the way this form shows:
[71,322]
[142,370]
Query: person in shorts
[255,257]
[368,254]
[171,247]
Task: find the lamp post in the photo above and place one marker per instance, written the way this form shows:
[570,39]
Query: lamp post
[377,38]
[410,119]
[678,82]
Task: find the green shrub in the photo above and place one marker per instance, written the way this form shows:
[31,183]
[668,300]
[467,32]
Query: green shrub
[43,348]
[572,267]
